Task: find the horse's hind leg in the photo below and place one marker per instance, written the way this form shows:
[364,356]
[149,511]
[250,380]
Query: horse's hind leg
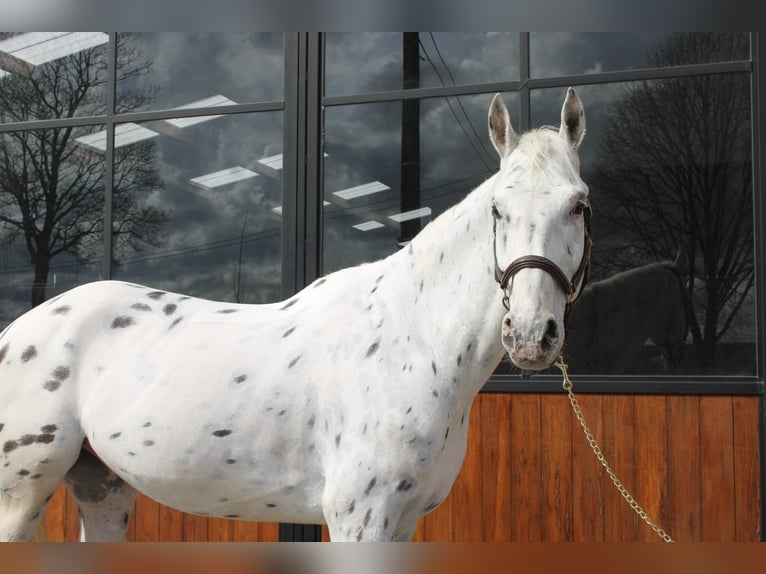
[30,473]
[104,500]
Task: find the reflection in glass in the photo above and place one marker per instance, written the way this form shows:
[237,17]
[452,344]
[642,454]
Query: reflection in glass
[670,175]
[191,67]
[375,62]
[570,53]
[373,205]
[45,75]
[218,190]
[51,216]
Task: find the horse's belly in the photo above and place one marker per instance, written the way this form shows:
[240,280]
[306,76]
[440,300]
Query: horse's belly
[239,480]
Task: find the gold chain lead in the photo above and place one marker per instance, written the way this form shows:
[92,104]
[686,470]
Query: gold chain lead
[600,456]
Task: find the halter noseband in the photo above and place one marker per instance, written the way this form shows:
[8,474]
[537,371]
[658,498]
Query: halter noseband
[569,286]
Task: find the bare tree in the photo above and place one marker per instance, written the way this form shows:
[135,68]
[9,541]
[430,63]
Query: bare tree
[676,171]
[52,188]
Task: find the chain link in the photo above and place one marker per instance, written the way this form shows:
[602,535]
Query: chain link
[567,384]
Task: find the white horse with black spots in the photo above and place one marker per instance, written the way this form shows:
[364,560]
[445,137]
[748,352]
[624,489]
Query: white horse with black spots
[346,404]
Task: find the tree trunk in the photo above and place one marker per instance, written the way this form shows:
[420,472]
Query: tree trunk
[42,267]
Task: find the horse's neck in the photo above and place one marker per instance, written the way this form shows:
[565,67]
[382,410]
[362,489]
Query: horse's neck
[451,294]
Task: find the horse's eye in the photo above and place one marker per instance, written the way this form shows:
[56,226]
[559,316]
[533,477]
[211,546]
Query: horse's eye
[495,212]
[579,209]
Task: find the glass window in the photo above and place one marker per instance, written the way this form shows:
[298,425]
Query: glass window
[210,202]
[47,75]
[668,163]
[174,70]
[363,63]
[51,217]
[374,205]
[570,53]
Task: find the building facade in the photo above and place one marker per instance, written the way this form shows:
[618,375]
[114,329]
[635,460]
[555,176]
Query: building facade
[243,166]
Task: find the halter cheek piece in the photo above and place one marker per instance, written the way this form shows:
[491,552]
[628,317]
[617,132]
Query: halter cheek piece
[569,286]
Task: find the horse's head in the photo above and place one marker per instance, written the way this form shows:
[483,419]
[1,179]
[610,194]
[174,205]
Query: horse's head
[541,210]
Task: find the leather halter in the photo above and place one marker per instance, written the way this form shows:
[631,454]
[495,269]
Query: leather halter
[571,287]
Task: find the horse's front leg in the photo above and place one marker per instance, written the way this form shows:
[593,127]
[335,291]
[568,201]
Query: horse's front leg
[369,512]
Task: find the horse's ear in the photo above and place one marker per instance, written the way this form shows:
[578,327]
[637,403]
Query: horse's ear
[500,130]
[572,119]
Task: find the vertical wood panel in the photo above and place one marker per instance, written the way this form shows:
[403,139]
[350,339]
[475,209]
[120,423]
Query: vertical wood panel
[651,463]
[746,470]
[195,528]
[145,521]
[72,519]
[269,532]
[466,502]
[55,515]
[437,525]
[587,475]
[496,468]
[526,483]
[171,525]
[717,442]
[556,436]
[684,481]
[619,447]
[221,529]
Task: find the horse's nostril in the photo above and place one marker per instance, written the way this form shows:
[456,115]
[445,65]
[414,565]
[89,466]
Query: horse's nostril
[506,327]
[551,334]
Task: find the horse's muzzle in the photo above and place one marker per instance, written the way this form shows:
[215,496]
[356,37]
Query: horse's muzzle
[535,350]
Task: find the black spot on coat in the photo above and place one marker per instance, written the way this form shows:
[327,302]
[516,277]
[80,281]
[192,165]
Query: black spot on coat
[155,295]
[122,322]
[169,309]
[222,432]
[28,354]
[372,349]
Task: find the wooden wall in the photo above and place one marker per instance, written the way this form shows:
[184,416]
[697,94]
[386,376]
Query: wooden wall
[692,462]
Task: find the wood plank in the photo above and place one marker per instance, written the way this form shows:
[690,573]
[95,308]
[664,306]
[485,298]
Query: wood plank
[220,529]
[717,459]
[684,469]
[587,474]
[437,525]
[269,532]
[526,478]
[72,519]
[619,447]
[466,492]
[195,528]
[146,513]
[496,468]
[54,516]
[245,531]
[651,463]
[556,437]
[746,469]
[420,531]
[171,525]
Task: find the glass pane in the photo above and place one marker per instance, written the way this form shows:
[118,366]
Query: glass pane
[46,75]
[374,62]
[570,53]
[669,167]
[211,204]
[373,205]
[173,69]
[51,217]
